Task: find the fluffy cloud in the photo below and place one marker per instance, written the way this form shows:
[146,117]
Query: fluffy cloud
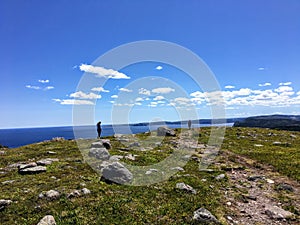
[43,81]
[159,68]
[73,102]
[99,89]
[144,91]
[125,90]
[229,87]
[282,89]
[163,90]
[114,96]
[82,95]
[103,72]
[158,98]
[261,68]
[265,84]
[139,99]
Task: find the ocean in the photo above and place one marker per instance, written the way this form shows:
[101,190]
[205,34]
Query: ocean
[17,137]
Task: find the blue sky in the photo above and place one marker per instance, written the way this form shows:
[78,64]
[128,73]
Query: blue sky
[252,47]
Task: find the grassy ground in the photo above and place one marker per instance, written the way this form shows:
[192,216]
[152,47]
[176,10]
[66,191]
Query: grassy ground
[159,203]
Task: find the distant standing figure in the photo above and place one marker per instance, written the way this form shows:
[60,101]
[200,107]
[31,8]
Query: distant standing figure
[99,129]
[189,124]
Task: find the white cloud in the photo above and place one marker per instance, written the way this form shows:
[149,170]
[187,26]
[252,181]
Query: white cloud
[138,103]
[163,90]
[285,83]
[125,90]
[265,84]
[159,97]
[114,96]
[261,68]
[144,91]
[100,89]
[103,72]
[33,87]
[112,102]
[139,99]
[43,81]
[73,102]
[229,87]
[48,88]
[281,89]
[159,68]
[153,104]
[82,95]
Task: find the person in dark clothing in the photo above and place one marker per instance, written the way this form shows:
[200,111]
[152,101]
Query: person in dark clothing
[99,129]
[189,124]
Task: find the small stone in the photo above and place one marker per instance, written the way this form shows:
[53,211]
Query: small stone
[2,152]
[8,182]
[51,195]
[202,215]
[74,194]
[151,171]
[116,157]
[258,145]
[51,153]
[177,168]
[130,157]
[256,177]
[207,170]
[285,187]
[220,177]
[99,153]
[186,187]
[85,191]
[47,220]
[269,181]
[4,203]
[135,144]
[228,203]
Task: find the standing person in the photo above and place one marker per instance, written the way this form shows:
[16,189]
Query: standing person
[189,124]
[99,129]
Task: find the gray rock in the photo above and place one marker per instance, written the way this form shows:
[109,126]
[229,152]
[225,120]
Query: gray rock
[47,220]
[151,171]
[256,177]
[220,177]
[50,195]
[74,194]
[165,131]
[28,165]
[102,143]
[177,168]
[186,187]
[8,182]
[274,212]
[4,203]
[33,170]
[130,157]
[202,215]
[51,153]
[2,152]
[285,187]
[99,153]
[117,173]
[48,161]
[85,191]
[135,144]
[116,157]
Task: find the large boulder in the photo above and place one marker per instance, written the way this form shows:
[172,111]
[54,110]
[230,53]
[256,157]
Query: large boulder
[165,131]
[99,153]
[117,173]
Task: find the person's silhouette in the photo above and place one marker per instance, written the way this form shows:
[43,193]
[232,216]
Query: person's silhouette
[189,124]
[99,129]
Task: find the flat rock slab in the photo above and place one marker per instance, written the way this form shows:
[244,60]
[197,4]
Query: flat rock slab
[47,220]
[186,187]
[28,165]
[48,161]
[117,173]
[33,170]
[102,143]
[274,212]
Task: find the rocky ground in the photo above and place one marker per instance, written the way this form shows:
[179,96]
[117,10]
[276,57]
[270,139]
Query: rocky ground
[53,182]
